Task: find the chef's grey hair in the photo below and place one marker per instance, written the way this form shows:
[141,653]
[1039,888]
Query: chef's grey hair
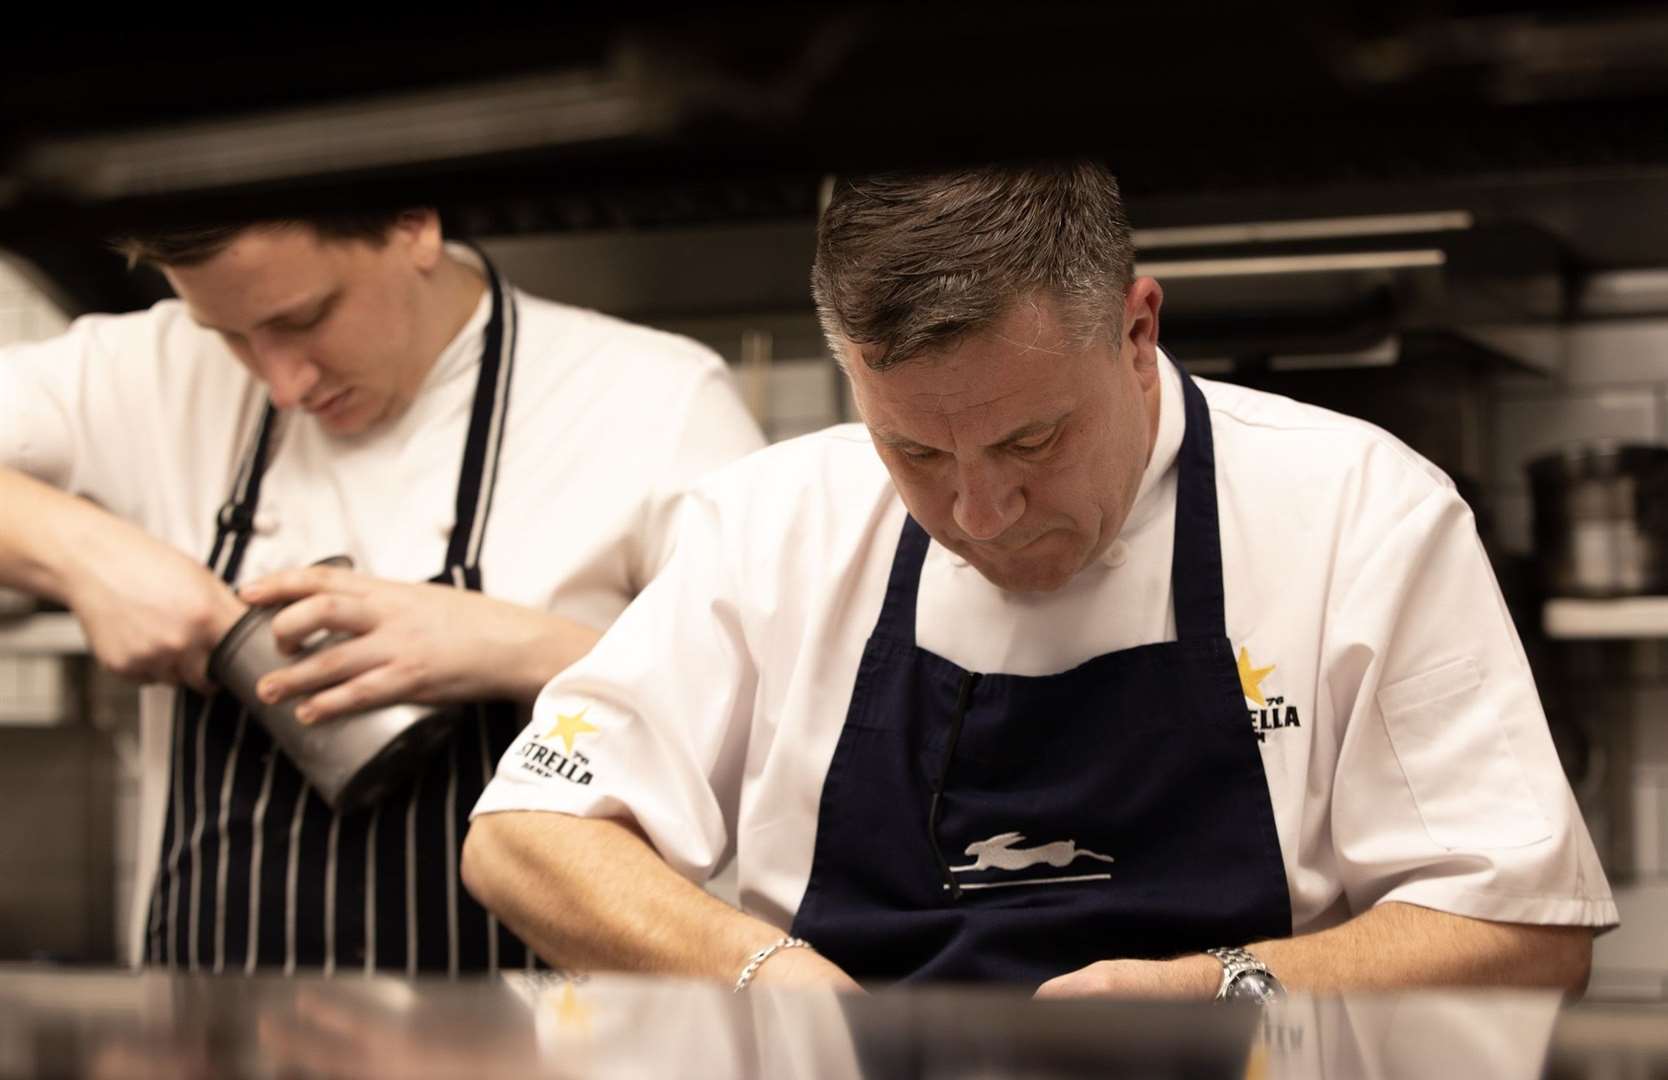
[908,263]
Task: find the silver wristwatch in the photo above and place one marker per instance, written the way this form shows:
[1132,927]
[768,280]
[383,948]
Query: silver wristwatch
[1245,978]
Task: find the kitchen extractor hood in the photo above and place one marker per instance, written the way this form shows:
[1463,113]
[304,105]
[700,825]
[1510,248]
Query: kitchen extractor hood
[1350,291]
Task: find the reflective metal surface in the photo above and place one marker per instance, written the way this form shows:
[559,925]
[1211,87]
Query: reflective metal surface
[351,764]
[121,1025]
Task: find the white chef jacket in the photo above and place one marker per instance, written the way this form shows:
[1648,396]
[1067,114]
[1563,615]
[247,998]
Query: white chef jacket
[1403,742]
[148,414]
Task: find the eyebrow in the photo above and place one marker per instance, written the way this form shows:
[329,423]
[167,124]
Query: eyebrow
[309,307]
[902,442]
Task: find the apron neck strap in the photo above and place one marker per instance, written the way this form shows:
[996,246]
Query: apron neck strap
[897,611]
[478,475]
[236,519]
[1196,563]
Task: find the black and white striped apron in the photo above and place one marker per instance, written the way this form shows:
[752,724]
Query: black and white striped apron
[256,871]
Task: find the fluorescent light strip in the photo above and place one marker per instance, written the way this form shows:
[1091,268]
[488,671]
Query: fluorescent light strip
[1254,232]
[1266,265]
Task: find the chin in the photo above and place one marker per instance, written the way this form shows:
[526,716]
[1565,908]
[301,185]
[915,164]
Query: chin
[1037,573]
[356,421]
[340,425]
[1025,579]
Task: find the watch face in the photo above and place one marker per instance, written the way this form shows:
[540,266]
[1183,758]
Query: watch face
[1255,986]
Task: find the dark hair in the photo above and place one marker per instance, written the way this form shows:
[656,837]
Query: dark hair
[192,245]
[911,262]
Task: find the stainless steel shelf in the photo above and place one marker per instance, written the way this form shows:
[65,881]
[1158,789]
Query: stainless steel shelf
[55,633]
[1627,617]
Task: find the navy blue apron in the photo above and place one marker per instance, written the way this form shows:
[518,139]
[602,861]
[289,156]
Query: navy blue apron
[257,872]
[1014,828]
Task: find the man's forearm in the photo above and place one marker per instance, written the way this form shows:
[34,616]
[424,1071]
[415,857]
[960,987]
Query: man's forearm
[547,645]
[591,894]
[38,528]
[1401,945]
[509,651]
[1393,946]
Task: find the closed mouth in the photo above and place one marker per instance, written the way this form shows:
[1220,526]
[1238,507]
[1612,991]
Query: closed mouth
[328,403]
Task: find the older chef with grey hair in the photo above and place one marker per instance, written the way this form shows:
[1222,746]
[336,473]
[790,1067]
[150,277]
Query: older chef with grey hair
[1063,668]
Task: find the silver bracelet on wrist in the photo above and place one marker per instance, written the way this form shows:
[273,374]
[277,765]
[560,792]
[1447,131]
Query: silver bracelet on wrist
[757,960]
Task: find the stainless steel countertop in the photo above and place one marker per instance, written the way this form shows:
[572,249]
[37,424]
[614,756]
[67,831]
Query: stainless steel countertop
[112,1024]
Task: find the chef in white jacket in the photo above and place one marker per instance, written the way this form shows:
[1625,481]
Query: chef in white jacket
[1063,668]
[502,470]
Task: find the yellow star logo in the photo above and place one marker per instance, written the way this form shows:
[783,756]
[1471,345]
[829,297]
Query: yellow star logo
[569,727]
[571,1013]
[1251,678]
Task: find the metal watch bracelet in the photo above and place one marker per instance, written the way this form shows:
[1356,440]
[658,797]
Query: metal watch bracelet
[1263,985]
[757,960]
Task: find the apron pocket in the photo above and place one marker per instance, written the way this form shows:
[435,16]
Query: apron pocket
[1466,781]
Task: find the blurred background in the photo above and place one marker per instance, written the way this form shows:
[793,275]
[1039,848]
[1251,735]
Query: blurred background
[1449,219]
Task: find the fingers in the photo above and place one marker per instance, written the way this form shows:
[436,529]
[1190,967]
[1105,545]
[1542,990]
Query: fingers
[322,669]
[1055,988]
[297,584]
[191,668]
[176,656]
[379,686]
[333,611]
[1080,983]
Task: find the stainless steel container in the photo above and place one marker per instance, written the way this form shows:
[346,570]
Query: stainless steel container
[352,761]
[1601,520]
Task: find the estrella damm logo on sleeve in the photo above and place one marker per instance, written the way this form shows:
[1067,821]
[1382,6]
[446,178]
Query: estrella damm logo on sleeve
[554,755]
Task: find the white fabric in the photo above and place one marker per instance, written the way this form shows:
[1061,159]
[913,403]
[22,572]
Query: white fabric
[1419,769]
[148,414]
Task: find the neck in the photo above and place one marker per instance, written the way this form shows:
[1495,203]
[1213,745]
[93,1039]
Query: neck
[449,298]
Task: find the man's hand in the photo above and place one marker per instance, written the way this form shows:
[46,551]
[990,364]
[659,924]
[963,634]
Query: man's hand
[150,612]
[423,643]
[1186,978]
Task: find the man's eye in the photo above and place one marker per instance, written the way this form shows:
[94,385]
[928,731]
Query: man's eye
[306,324]
[1035,442]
